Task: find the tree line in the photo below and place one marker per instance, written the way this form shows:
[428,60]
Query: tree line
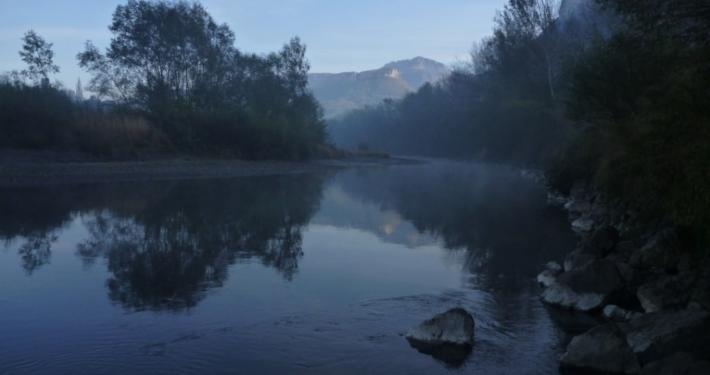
[612,95]
[171,79]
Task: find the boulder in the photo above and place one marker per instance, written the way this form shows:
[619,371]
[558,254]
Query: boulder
[661,253]
[667,293]
[553,267]
[547,278]
[677,364]
[625,248]
[583,224]
[601,242]
[577,259]
[618,314]
[586,288]
[627,273]
[602,349]
[453,327]
[652,335]
[447,337]
[563,296]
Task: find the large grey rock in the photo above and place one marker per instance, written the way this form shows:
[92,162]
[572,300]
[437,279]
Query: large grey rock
[577,259]
[601,242]
[447,337]
[563,296]
[586,288]
[553,267]
[454,327]
[652,335]
[619,314]
[667,293]
[547,278]
[602,349]
[599,276]
[583,224]
[677,364]
[661,253]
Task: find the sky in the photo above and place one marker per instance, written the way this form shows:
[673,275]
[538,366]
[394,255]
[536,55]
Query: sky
[341,35]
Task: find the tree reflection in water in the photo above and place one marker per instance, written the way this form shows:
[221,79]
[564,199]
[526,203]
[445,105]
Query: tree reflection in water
[499,218]
[166,244]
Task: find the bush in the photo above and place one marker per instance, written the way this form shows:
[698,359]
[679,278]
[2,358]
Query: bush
[44,117]
[34,117]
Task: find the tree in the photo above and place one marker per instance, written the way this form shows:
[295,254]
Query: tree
[160,51]
[171,60]
[293,66]
[39,57]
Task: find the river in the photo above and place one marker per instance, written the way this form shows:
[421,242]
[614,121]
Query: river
[307,273]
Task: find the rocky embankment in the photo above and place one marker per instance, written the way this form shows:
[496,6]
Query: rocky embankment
[649,292]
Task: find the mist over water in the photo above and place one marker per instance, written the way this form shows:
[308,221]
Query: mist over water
[308,273]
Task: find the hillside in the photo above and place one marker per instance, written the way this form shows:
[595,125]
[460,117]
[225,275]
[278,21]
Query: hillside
[339,93]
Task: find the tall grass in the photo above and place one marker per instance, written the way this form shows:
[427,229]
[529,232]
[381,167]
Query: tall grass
[117,135]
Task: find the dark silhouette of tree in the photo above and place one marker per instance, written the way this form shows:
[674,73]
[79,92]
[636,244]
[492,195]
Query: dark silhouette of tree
[38,55]
[173,61]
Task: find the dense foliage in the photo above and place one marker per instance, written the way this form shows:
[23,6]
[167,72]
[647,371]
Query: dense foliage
[642,97]
[171,65]
[614,95]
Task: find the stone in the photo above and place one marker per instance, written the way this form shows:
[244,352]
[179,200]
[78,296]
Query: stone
[577,259]
[447,337]
[553,267]
[677,364]
[601,242]
[583,224]
[618,314]
[627,273]
[563,296]
[661,253]
[558,200]
[547,278]
[667,293]
[652,335]
[586,288]
[625,248]
[599,276]
[602,349]
[455,327]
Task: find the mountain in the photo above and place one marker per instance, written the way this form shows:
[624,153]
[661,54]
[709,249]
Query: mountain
[341,92]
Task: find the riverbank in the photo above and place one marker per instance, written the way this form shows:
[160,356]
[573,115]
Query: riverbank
[33,169]
[648,289]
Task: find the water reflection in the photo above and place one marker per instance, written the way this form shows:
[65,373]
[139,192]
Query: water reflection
[324,269]
[495,214]
[167,244]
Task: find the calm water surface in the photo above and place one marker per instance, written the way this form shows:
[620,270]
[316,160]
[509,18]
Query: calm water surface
[317,273]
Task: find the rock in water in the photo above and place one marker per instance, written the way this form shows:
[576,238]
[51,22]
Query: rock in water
[454,327]
[602,349]
[447,337]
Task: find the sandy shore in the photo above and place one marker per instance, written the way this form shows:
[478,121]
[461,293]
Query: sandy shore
[31,173]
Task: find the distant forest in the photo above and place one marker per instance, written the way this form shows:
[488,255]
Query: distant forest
[612,93]
[171,80]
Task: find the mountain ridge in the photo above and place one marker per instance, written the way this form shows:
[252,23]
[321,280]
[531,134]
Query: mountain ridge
[339,93]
